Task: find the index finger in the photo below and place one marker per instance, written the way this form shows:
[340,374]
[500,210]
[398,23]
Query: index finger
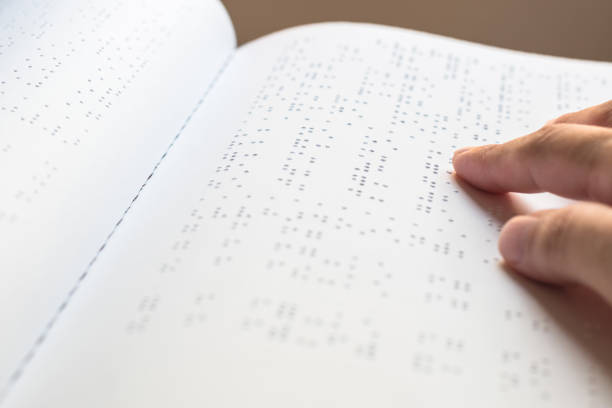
[573,161]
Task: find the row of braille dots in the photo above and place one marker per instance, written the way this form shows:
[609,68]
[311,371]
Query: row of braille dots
[472,121]
[472,101]
[346,53]
[47,56]
[43,62]
[572,90]
[40,179]
[406,73]
[120,62]
[475,128]
[234,164]
[445,248]
[31,23]
[562,92]
[39,182]
[475,105]
[453,294]
[506,95]
[317,234]
[439,134]
[523,98]
[230,159]
[235,224]
[303,156]
[435,127]
[464,101]
[232,156]
[334,220]
[301,256]
[534,324]
[368,179]
[8,217]
[193,225]
[293,170]
[520,374]
[298,159]
[198,312]
[438,354]
[243,148]
[318,74]
[375,149]
[398,58]
[287,168]
[437,188]
[284,322]
[410,117]
[469,126]
[297,156]
[146,309]
[182,242]
[302,93]
[416,86]
[590,330]
[102,85]
[212,205]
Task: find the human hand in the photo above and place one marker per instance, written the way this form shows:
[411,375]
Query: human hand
[570,156]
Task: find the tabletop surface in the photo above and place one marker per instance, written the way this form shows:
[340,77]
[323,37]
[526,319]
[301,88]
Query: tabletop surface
[570,28]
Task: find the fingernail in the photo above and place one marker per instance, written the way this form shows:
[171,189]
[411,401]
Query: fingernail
[515,238]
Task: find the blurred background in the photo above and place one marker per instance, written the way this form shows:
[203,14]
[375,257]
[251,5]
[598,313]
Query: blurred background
[569,28]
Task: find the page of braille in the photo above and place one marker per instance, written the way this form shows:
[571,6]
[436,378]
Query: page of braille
[306,244]
[84,117]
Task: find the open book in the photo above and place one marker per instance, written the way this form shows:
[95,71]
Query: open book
[187,223]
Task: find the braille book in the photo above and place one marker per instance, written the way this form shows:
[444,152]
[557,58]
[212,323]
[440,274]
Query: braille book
[188,223]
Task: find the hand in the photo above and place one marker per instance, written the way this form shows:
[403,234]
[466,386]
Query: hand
[570,156]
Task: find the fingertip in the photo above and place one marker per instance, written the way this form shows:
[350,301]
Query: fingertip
[459,158]
[514,241]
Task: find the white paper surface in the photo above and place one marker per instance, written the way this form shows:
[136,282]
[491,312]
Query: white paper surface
[304,244]
[91,96]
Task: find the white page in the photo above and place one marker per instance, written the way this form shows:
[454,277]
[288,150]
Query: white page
[264,266]
[91,96]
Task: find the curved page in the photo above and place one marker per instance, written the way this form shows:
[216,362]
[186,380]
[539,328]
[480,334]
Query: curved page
[305,243]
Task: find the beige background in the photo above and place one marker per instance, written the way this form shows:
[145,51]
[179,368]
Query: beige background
[571,28]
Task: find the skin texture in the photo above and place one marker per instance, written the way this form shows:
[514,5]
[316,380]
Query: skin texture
[570,156]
